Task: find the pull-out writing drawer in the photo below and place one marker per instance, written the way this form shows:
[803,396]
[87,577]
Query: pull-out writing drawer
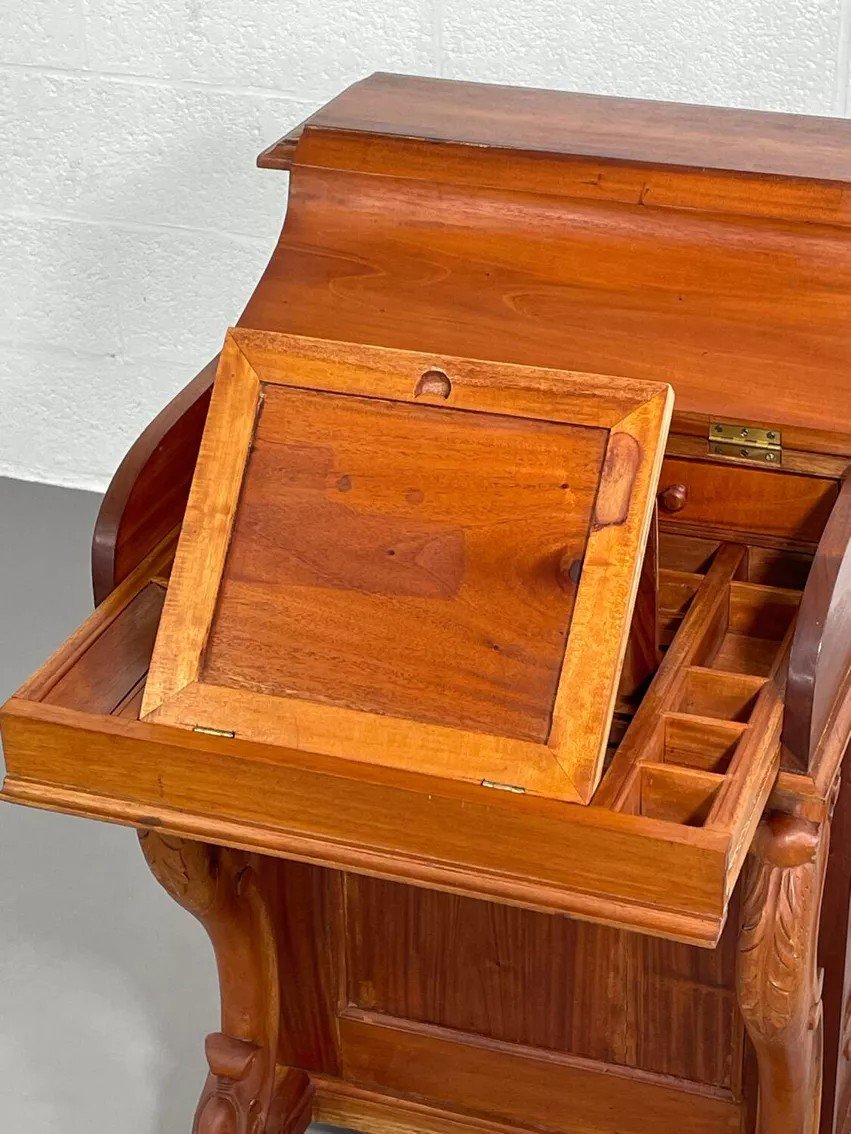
[391,639]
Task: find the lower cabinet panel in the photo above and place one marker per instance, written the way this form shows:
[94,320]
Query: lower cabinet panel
[545,981]
[524,1086]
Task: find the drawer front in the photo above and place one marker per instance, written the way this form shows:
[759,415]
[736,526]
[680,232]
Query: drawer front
[754,501]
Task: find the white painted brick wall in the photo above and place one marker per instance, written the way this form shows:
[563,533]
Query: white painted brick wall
[133,223]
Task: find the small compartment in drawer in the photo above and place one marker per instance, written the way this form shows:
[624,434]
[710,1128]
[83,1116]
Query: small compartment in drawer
[686,552]
[762,612]
[772,567]
[703,748]
[676,594]
[705,743]
[778,568]
[740,653]
[679,795]
[677,589]
[714,693]
[759,618]
[105,674]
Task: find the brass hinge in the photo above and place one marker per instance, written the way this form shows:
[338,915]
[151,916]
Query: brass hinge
[229,733]
[745,443]
[504,787]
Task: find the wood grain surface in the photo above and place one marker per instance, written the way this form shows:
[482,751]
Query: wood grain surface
[411,565]
[405,561]
[556,984]
[563,122]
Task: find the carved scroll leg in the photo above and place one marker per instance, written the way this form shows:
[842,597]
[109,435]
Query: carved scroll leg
[246,1092]
[779,987]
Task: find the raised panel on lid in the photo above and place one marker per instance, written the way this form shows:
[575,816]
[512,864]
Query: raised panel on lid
[420,563]
[406,560]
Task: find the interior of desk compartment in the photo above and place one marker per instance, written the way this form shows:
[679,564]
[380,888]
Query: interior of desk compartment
[698,743]
[724,634]
[106,672]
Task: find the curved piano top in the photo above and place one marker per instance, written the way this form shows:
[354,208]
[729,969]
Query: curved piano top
[570,124]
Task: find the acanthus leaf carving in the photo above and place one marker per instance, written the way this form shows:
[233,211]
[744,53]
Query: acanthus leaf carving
[245,1092]
[778,984]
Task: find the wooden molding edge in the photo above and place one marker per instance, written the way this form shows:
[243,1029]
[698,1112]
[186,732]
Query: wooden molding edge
[351,1107]
[507,1083]
[692,928]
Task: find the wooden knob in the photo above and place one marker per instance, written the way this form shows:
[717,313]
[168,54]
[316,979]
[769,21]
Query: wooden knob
[674,497]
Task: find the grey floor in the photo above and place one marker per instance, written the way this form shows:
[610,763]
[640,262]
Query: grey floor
[106,986]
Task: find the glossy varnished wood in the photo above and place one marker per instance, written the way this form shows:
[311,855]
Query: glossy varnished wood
[227,439]
[229,894]
[562,122]
[482,552]
[609,867]
[117,663]
[147,496]
[751,501]
[523,1085]
[406,574]
[821,655]
[498,969]
[592,311]
[779,987]
[499,267]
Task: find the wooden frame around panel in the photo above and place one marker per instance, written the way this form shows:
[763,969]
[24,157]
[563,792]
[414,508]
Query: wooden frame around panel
[636,415]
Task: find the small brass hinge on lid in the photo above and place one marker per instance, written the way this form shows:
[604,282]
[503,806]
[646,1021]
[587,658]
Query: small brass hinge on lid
[229,733]
[504,787]
[745,443]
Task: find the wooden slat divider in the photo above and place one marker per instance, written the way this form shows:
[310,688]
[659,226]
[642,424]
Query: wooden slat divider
[701,631]
[755,765]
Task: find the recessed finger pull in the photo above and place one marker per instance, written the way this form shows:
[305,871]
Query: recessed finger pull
[434,384]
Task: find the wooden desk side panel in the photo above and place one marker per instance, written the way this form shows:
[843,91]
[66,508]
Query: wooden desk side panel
[146,498]
[546,982]
[431,995]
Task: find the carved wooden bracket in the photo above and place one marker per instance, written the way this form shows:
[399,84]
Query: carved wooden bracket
[246,1092]
[232,1102]
[779,986]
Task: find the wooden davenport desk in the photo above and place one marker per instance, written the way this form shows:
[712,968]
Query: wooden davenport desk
[489,716]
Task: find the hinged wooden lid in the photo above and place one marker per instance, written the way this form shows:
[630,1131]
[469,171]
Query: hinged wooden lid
[412,561]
